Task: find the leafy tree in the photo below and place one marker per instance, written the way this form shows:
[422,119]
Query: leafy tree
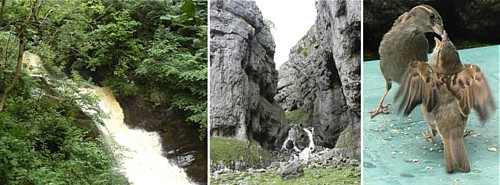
[177,60]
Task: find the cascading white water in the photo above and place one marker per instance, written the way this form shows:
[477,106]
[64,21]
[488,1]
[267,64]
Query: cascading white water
[138,153]
[141,156]
[305,154]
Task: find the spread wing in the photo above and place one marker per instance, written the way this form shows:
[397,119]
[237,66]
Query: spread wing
[473,92]
[417,87]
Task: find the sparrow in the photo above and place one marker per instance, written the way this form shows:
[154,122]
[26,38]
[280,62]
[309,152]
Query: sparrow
[406,42]
[448,91]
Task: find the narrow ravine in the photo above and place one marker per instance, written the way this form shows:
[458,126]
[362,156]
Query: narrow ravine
[137,153]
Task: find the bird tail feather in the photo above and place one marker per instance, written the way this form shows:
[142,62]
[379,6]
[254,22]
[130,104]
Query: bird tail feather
[455,151]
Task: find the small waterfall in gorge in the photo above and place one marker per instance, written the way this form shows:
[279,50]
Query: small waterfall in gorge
[137,153]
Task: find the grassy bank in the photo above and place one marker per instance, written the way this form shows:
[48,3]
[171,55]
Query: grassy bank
[227,149]
[324,175]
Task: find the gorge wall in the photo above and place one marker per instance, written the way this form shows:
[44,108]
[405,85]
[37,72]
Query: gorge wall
[243,78]
[321,81]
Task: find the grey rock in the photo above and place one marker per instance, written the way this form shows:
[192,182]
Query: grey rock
[322,77]
[243,78]
[292,170]
[354,162]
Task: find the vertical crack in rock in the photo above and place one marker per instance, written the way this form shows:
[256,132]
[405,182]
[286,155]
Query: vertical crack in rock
[322,76]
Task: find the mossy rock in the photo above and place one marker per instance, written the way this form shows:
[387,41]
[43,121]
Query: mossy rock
[295,116]
[349,142]
[228,149]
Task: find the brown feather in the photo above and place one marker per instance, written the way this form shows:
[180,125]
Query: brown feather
[449,91]
[473,92]
[416,88]
[454,150]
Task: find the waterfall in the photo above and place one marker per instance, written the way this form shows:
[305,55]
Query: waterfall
[138,153]
[305,153]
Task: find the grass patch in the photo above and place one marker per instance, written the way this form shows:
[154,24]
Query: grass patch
[294,116]
[324,175]
[227,149]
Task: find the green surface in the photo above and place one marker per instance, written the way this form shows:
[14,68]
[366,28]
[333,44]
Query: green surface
[396,153]
[295,116]
[312,176]
[227,149]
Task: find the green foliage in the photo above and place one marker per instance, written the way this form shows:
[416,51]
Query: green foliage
[322,175]
[295,116]
[40,143]
[226,149]
[137,48]
[177,61]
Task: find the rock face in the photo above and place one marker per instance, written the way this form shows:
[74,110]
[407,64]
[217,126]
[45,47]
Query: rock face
[243,78]
[464,20]
[322,76]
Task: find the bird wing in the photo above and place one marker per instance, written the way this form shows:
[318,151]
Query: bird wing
[417,87]
[473,92]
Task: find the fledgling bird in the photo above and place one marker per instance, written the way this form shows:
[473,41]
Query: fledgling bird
[448,91]
[404,43]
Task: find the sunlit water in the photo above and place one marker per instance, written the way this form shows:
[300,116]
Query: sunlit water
[137,153]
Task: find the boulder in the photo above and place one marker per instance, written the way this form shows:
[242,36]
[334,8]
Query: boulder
[293,170]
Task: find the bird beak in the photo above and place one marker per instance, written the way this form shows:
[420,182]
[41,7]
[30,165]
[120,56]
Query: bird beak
[437,41]
[438,29]
[444,36]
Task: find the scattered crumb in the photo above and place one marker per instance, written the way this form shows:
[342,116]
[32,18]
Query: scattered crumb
[476,135]
[393,153]
[492,149]
[395,130]
[416,162]
[428,168]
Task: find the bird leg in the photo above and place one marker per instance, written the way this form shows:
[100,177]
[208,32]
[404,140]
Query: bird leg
[380,108]
[467,132]
[428,136]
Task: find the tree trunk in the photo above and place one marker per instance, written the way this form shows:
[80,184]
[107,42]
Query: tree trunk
[18,68]
[19,65]
[2,10]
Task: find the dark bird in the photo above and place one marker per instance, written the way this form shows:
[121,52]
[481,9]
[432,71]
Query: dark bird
[404,43]
[447,91]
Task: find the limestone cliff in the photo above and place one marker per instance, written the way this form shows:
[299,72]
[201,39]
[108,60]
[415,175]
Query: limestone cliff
[321,80]
[243,78]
